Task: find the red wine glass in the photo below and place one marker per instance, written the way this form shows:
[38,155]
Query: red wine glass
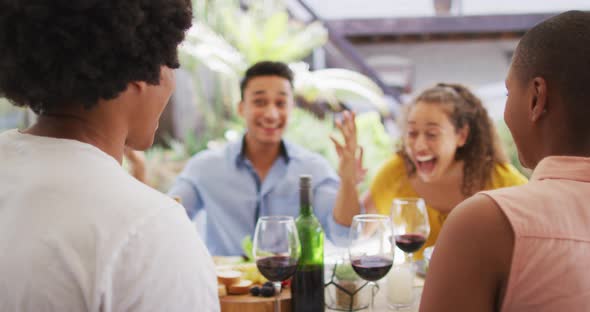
[277,250]
[410,223]
[371,249]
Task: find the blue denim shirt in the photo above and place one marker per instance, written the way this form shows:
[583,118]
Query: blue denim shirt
[224,184]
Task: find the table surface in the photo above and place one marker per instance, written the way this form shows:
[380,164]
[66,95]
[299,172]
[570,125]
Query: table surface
[244,304]
[381,300]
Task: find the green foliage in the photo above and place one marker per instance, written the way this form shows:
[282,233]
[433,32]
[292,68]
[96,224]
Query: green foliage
[307,130]
[247,246]
[510,147]
[225,40]
[263,32]
[310,132]
[377,144]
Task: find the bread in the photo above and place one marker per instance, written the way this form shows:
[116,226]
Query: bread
[240,288]
[228,277]
[221,290]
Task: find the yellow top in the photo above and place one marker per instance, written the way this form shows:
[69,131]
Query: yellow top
[392,182]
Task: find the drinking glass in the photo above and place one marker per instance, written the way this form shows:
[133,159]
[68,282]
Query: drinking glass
[411,229]
[410,223]
[371,249]
[277,250]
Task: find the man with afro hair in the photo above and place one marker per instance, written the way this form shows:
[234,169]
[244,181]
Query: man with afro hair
[77,233]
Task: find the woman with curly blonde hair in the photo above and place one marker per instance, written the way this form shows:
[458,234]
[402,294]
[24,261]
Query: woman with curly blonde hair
[449,151]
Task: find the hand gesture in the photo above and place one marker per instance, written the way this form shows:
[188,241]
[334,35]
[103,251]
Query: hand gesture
[350,154]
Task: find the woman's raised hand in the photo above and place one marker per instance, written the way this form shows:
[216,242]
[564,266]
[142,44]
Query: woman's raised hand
[349,153]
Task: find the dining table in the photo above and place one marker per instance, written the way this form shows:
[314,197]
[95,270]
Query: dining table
[381,298]
[247,303]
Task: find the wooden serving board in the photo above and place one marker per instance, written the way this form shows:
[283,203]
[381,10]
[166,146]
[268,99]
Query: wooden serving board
[249,303]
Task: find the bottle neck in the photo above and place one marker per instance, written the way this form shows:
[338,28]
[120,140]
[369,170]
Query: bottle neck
[305,208]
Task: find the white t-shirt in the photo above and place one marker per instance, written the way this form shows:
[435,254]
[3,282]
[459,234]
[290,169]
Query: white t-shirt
[78,233]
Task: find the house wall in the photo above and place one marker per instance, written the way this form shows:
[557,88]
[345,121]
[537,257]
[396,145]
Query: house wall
[479,64]
[340,9]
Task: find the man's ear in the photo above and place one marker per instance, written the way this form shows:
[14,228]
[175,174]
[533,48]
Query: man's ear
[138,86]
[241,108]
[538,104]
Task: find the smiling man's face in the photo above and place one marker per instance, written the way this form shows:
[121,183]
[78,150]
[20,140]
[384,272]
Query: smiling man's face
[266,106]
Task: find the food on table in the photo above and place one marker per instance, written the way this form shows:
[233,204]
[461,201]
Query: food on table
[255,291]
[267,291]
[240,288]
[221,290]
[228,277]
[250,272]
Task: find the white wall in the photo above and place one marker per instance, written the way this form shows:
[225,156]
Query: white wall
[338,9]
[479,64]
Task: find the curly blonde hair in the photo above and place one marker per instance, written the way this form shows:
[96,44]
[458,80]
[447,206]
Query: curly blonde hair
[482,148]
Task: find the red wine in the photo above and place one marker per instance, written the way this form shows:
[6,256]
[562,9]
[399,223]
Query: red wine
[304,287]
[410,242]
[277,268]
[371,268]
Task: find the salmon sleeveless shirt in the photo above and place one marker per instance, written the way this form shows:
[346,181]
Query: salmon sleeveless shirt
[550,216]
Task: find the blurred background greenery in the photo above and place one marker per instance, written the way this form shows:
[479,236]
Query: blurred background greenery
[223,42]
[227,38]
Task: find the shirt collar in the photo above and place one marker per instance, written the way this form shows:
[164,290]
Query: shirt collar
[563,167]
[238,151]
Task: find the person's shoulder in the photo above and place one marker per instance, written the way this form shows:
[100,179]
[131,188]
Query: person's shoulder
[395,164]
[476,240]
[481,218]
[166,236]
[303,155]
[504,175]
[109,197]
[135,197]
[391,179]
[476,207]
[211,154]
[295,150]
[393,169]
[211,157]
[9,134]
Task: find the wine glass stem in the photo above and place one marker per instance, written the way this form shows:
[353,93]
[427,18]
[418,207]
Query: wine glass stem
[277,296]
[372,303]
[410,258]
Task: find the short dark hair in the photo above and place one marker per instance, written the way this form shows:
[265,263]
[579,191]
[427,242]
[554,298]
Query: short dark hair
[58,53]
[558,50]
[266,68]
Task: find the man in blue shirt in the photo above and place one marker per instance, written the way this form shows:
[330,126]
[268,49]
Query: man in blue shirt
[258,175]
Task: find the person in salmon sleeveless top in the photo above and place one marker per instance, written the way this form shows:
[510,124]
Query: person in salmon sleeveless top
[526,248]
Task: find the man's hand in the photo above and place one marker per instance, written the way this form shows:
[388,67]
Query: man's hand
[137,163]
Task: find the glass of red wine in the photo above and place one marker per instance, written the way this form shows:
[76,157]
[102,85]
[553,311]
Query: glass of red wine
[411,228]
[371,249]
[277,250]
[410,221]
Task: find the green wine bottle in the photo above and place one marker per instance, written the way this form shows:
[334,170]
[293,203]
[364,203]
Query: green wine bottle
[308,282]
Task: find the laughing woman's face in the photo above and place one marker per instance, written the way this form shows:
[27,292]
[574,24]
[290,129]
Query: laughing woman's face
[431,140]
